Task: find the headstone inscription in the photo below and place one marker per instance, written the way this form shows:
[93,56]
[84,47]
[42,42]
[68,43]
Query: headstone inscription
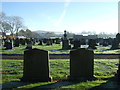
[81,64]
[36,66]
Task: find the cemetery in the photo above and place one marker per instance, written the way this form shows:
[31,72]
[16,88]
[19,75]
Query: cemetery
[78,63]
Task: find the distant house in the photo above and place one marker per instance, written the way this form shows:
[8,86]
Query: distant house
[23,37]
[85,36]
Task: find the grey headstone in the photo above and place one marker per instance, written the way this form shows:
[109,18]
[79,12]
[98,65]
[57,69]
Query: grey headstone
[36,65]
[65,44]
[81,64]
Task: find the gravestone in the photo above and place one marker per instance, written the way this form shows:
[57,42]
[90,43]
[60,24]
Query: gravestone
[81,64]
[76,44]
[92,44]
[22,41]
[8,44]
[65,42]
[105,42]
[118,37]
[71,41]
[115,44]
[16,42]
[44,40]
[118,73]
[40,42]
[29,45]
[49,42]
[83,41]
[57,41]
[36,65]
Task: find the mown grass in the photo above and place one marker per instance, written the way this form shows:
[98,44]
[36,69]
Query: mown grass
[56,49]
[12,70]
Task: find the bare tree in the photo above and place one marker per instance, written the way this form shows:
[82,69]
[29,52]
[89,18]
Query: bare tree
[16,24]
[4,26]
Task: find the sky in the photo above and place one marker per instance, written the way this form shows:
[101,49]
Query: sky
[73,17]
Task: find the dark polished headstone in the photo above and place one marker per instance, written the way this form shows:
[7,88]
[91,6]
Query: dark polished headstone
[36,66]
[81,64]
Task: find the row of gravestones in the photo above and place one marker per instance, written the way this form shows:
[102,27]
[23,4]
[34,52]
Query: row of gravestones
[9,43]
[36,65]
[92,43]
[65,42]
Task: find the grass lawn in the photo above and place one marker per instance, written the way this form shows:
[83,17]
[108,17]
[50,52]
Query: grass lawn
[12,70]
[54,49]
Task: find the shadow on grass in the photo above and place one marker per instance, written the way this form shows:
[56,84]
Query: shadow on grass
[55,85]
[13,84]
[111,84]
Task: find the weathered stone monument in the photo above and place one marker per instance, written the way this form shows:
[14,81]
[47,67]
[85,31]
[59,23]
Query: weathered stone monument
[36,65]
[65,42]
[81,64]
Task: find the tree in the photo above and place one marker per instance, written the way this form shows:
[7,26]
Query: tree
[16,24]
[21,32]
[10,24]
[28,33]
[4,26]
[49,34]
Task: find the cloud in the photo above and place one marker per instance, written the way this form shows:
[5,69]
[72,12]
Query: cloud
[67,3]
[60,19]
